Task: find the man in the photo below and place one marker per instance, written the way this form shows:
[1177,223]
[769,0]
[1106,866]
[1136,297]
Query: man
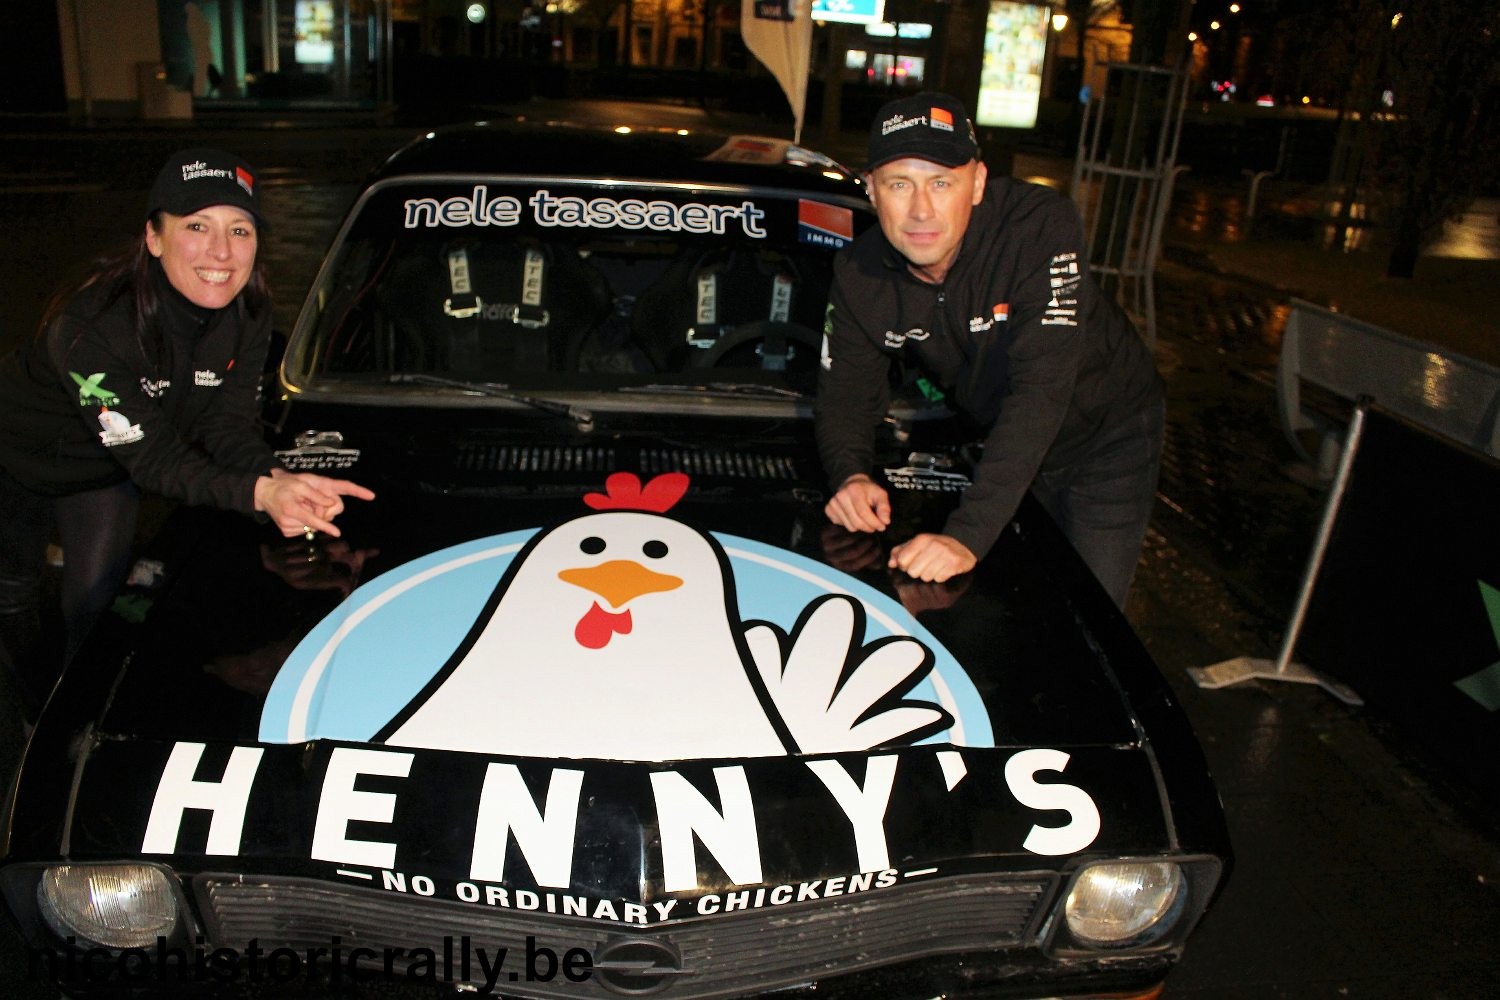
[982,284]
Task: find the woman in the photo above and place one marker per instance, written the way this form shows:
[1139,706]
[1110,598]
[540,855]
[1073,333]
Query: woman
[144,377]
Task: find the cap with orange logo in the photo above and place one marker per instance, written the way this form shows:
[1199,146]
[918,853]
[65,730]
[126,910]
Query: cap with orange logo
[927,126]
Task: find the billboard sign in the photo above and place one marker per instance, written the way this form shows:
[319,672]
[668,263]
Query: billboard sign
[849,11]
[1010,74]
[313,44]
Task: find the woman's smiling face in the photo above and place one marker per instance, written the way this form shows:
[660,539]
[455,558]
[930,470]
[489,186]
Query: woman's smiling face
[208,255]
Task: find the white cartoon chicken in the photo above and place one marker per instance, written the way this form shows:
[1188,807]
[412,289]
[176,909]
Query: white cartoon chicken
[616,635]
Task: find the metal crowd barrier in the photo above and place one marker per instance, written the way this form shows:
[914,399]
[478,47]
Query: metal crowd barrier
[1329,360]
[1333,371]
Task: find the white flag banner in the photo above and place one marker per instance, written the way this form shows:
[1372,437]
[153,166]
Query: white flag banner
[779,33]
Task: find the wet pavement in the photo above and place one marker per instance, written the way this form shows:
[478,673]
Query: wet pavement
[1362,871]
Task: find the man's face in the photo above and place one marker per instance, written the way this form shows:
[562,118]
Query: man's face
[924,209]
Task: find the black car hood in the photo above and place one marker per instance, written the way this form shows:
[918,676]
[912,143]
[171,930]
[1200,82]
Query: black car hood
[459,534]
[241,672]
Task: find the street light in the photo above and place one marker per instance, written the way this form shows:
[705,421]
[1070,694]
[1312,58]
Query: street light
[1059,22]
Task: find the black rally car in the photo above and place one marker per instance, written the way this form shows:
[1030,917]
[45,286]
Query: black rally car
[592,700]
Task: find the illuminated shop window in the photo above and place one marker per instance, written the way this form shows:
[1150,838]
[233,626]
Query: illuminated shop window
[887,30]
[897,69]
[313,43]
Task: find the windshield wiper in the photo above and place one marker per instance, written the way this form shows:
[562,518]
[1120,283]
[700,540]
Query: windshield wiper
[580,416]
[750,389]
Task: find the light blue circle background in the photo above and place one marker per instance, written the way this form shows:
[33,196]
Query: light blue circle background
[385,659]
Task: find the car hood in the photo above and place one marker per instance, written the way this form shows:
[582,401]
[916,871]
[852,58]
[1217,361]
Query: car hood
[516,636]
[474,547]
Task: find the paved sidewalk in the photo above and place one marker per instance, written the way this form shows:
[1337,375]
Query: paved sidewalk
[1453,301]
[1361,871]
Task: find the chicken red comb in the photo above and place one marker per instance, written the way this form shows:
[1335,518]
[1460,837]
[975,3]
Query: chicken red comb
[623,491]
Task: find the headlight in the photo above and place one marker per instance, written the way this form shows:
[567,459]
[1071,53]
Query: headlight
[1114,905]
[117,906]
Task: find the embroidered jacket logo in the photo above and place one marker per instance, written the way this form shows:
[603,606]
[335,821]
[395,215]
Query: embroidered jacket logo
[91,390]
[1064,278]
[898,122]
[207,378]
[999,313]
[117,429]
[898,340]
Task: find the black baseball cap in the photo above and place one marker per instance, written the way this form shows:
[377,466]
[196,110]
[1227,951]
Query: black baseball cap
[193,179]
[929,126]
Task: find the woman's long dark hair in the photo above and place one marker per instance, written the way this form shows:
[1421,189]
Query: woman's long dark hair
[127,274]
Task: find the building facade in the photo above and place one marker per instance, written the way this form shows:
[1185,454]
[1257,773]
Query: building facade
[104,59]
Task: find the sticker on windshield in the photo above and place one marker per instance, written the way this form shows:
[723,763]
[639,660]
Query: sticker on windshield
[824,225]
[623,634]
[751,149]
[548,211]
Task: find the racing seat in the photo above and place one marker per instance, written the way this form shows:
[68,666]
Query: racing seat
[485,308]
[730,308]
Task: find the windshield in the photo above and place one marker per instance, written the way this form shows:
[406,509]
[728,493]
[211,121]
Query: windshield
[566,284]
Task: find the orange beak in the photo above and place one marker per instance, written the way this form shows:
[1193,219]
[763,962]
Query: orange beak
[619,581]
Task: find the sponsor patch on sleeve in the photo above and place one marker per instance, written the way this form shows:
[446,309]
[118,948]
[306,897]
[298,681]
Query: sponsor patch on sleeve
[117,428]
[1063,276]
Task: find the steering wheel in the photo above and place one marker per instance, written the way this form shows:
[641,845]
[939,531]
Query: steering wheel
[768,345]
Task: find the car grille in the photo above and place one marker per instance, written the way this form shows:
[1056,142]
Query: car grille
[725,464]
[693,959]
[480,456]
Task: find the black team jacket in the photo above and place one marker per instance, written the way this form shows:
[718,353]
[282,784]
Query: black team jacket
[90,402]
[1017,337]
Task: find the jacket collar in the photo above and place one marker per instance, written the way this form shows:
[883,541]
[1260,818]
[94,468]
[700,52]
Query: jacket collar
[176,311]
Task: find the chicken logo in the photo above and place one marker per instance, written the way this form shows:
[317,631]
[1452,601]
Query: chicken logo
[619,635]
